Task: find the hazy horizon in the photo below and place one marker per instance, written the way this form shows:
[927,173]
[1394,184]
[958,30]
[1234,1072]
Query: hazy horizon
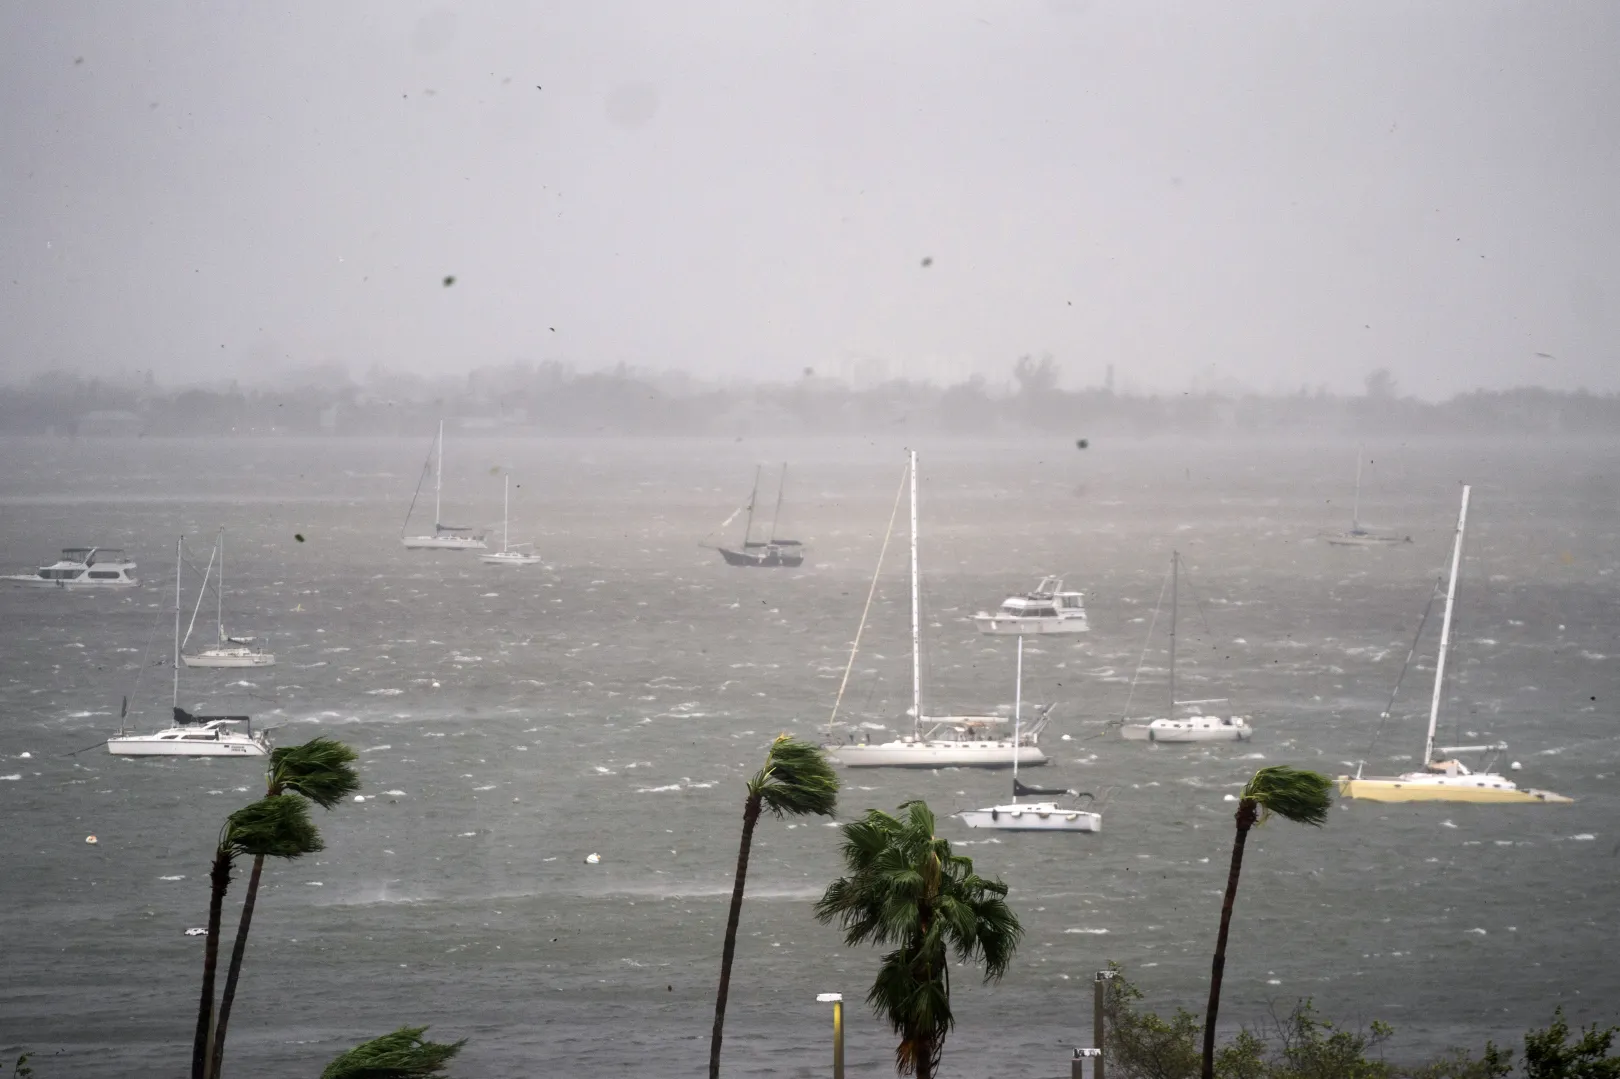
[1268,196]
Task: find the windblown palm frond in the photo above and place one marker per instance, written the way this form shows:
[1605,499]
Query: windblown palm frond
[400,1055]
[905,888]
[1294,794]
[276,826]
[797,780]
[319,770]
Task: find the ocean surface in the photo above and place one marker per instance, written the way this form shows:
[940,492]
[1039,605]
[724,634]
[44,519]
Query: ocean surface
[511,722]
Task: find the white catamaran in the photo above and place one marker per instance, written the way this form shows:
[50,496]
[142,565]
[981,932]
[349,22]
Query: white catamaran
[227,651]
[1446,780]
[939,741]
[445,537]
[1037,816]
[1189,728]
[510,554]
[191,736]
[1355,535]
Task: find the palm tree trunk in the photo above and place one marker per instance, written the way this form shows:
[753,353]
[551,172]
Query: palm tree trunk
[234,971]
[1247,812]
[750,818]
[219,880]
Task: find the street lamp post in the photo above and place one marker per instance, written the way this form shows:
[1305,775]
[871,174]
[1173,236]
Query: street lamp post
[837,1001]
[1098,1033]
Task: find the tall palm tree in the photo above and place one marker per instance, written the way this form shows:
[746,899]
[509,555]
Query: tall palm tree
[796,781]
[906,888]
[318,770]
[277,826]
[1294,794]
[400,1055]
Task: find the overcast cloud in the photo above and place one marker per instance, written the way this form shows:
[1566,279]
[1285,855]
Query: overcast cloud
[1273,193]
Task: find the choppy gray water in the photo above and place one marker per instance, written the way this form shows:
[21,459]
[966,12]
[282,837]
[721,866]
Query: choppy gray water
[513,721]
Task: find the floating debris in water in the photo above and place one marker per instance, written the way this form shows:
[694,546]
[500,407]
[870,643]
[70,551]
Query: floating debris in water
[592,858]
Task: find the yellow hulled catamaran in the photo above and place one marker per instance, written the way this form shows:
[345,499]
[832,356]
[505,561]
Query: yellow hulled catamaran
[1443,778]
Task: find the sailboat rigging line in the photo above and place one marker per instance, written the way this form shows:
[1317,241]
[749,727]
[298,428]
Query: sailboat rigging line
[1410,652]
[201,592]
[1163,584]
[1198,604]
[146,654]
[426,467]
[894,515]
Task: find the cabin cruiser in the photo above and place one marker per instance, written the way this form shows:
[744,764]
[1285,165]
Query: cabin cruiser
[82,567]
[195,736]
[1048,609]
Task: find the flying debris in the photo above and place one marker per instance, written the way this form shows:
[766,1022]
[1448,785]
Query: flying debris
[1082,443]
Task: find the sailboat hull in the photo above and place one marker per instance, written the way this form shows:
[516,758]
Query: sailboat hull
[1351,540]
[443,543]
[1235,730]
[1422,787]
[1033,817]
[230,657]
[151,746]
[771,557]
[937,754]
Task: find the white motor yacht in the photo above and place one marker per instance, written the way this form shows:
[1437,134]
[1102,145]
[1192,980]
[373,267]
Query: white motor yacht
[936,741]
[82,568]
[1048,609]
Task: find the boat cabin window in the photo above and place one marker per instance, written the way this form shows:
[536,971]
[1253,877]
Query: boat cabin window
[1071,603]
[60,574]
[104,574]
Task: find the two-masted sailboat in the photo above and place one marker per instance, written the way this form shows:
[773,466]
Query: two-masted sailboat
[939,741]
[1042,815]
[191,735]
[1446,780]
[771,552]
[1355,535]
[227,651]
[510,554]
[445,537]
[1195,727]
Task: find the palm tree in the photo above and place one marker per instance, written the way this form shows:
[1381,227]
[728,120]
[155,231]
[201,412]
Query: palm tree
[400,1055]
[277,826]
[906,888]
[320,771]
[797,780]
[1292,794]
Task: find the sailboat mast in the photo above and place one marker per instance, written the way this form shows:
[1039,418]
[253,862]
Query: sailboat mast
[753,497]
[1175,574]
[1355,506]
[219,593]
[780,486]
[506,510]
[1018,712]
[177,546]
[438,478]
[916,612]
[1445,629]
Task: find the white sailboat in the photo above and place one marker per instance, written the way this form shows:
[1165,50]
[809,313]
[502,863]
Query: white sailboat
[228,651]
[509,555]
[940,741]
[445,537]
[1355,535]
[1195,727]
[191,736]
[1036,816]
[1446,780]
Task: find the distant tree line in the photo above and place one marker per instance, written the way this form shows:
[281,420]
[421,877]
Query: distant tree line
[554,398]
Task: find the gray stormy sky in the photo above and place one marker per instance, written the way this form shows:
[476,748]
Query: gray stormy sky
[1278,193]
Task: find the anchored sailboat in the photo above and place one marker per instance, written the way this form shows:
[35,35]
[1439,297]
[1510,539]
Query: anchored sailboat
[191,736]
[1355,535]
[1446,780]
[509,554]
[937,741]
[1039,816]
[228,651]
[1191,728]
[445,537]
[770,553]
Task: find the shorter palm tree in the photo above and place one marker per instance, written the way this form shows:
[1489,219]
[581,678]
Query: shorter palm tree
[320,770]
[277,826]
[400,1055]
[1293,794]
[906,888]
[796,781]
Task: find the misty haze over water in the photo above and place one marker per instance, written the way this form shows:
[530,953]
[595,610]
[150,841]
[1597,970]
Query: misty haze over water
[1131,279]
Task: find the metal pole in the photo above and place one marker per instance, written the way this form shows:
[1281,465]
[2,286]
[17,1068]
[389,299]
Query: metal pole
[1099,1033]
[1445,630]
[838,1039]
[916,614]
[1175,577]
[438,480]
